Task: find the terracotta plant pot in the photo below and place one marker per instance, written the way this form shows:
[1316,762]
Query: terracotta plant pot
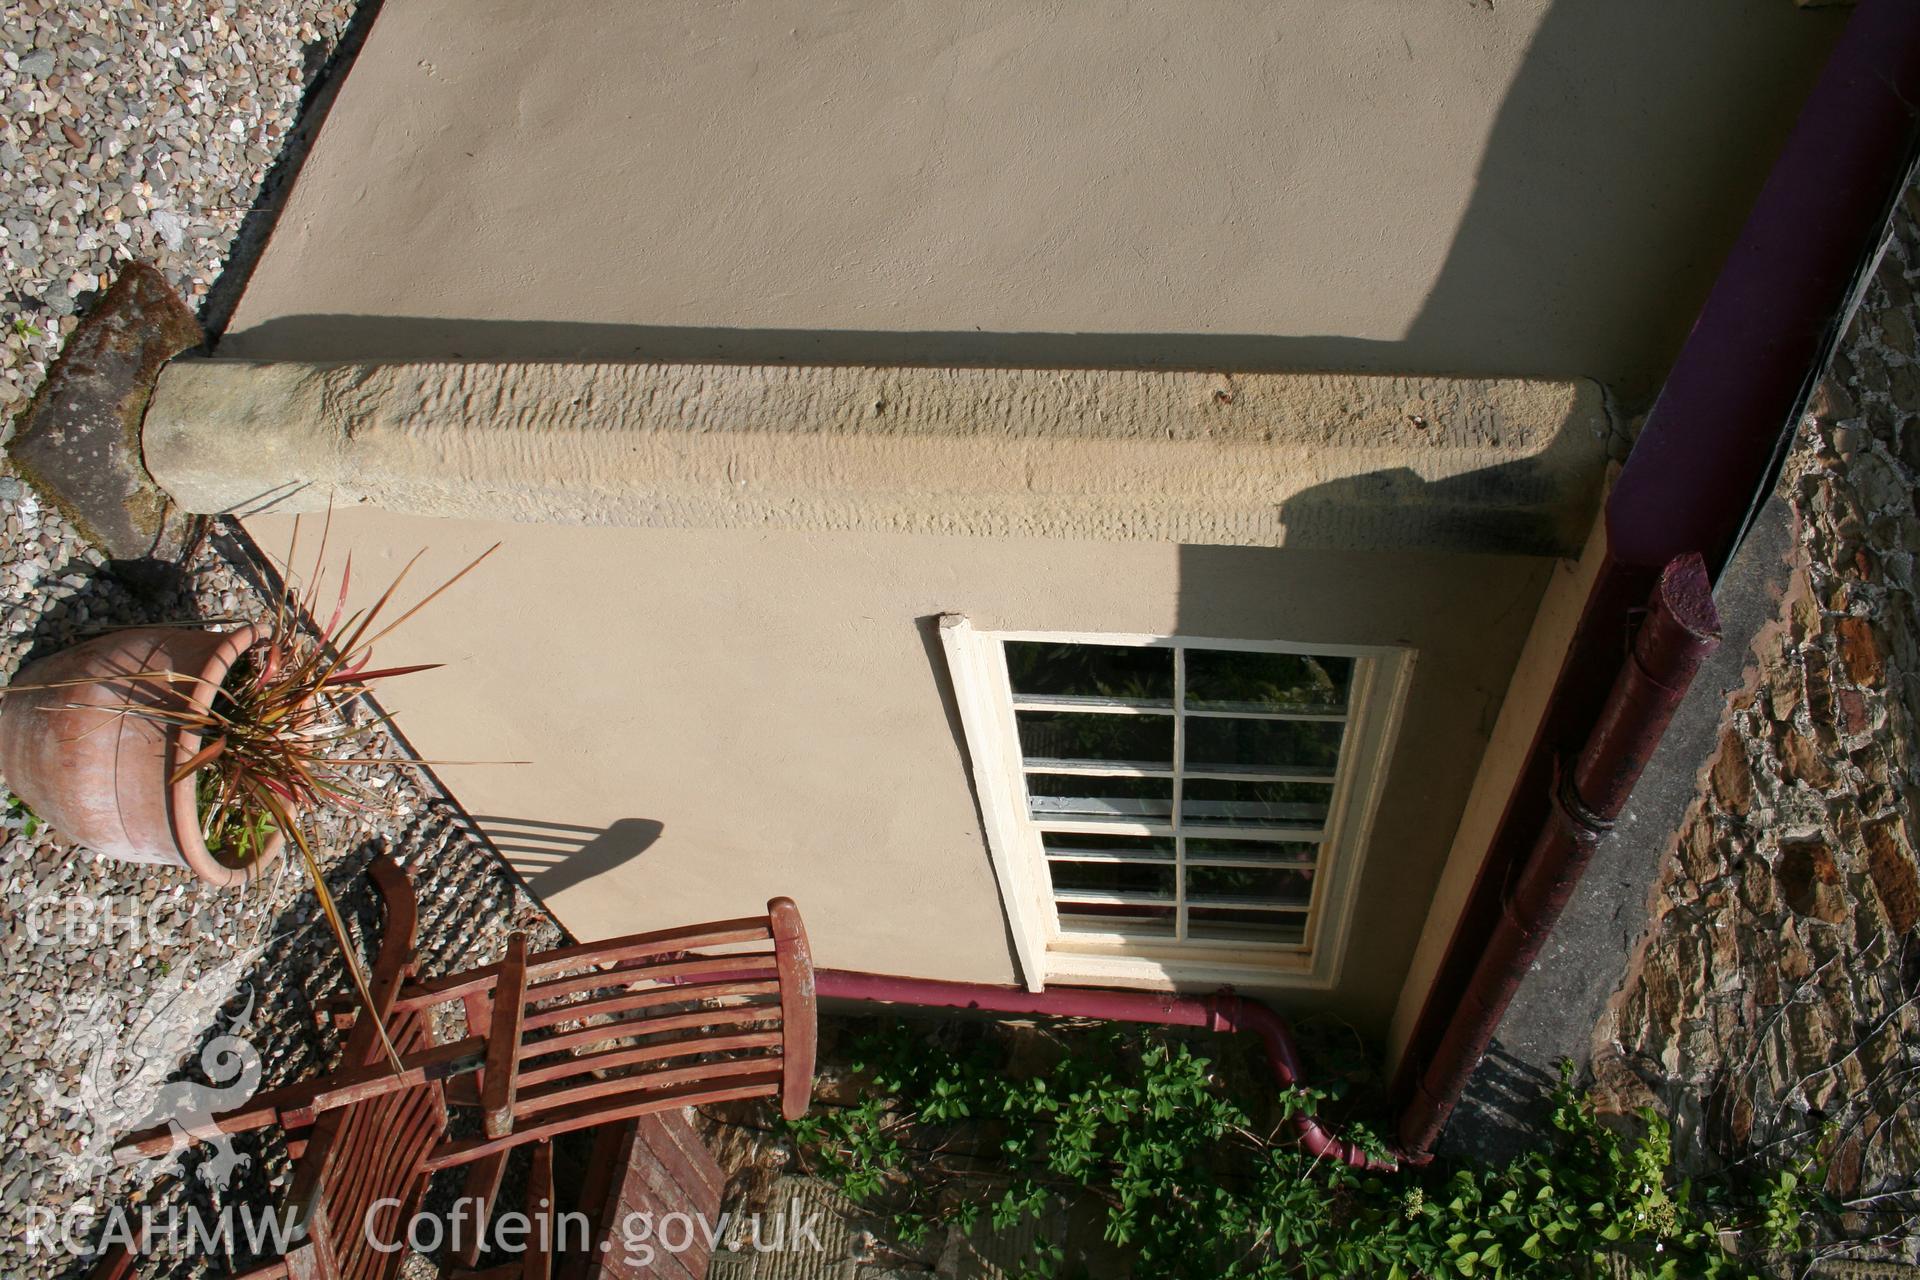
[100,777]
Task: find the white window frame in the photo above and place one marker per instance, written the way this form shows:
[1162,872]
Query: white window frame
[1376,698]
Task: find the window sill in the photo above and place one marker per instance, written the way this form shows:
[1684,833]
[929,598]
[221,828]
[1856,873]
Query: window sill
[1073,968]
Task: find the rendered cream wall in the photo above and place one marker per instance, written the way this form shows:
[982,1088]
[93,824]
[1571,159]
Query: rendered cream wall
[772,702]
[1407,186]
[1525,188]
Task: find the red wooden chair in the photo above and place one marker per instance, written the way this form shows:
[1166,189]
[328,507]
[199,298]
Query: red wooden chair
[654,1165]
[589,1035]
[562,1040]
[353,1156]
[536,1260]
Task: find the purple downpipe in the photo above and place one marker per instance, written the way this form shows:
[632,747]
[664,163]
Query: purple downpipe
[1703,463]
[1769,322]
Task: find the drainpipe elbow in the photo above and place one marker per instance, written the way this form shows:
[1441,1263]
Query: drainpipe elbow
[1229,1012]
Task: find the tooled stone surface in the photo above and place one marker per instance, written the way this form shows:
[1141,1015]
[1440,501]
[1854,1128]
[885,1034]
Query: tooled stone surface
[79,441]
[1775,1006]
[1248,459]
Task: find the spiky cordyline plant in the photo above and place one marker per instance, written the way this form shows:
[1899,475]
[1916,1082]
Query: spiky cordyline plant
[274,739]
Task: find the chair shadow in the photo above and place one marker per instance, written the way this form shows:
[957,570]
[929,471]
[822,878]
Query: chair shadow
[554,856]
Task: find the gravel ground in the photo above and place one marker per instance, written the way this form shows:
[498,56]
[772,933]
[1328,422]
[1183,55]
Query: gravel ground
[140,129]
[113,977]
[163,130]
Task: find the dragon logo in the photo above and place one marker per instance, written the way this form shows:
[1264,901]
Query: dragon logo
[124,1083]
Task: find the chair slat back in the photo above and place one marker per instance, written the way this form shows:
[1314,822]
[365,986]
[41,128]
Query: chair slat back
[359,1156]
[376,1149]
[589,1034]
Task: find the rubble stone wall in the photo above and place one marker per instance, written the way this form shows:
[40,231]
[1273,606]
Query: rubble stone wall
[1775,1003]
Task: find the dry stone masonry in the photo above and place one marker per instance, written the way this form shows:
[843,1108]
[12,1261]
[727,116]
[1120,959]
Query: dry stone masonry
[1775,1005]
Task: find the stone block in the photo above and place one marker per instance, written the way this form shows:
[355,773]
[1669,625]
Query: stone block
[1756,887]
[1794,962]
[1832,402]
[725,1265]
[1910,432]
[1819,688]
[79,441]
[1855,1269]
[1617,1088]
[1723,942]
[1810,1035]
[1896,329]
[1784,699]
[1809,880]
[804,1200]
[1858,648]
[1700,854]
[986,1253]
[1856,716]
[1890,868]
[1907,388]
[1112,455]
[1732,783]
[1871,761]
[1801,760]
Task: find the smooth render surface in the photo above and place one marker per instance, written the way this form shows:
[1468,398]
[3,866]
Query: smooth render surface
[713,717]
[1526,189]
[1514,189]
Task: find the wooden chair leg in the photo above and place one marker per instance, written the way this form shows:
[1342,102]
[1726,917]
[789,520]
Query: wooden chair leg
[478,1006]
[482,1185]
[536,1259]
[497,1087]
[538,1263]
[597,1187]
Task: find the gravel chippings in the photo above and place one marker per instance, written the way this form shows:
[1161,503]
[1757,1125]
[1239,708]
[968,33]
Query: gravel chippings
[137,129]
[116,979]
[167,130]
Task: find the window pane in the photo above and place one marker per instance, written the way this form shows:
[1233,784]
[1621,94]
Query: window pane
[1236,886]
[1066,735]
[1267,681]
[1113,879]
[1228,924]
[1278,744]
[1096,848]
[1243,803]
[1054,794]
[1156,922]
[1132,672]
[1256,852]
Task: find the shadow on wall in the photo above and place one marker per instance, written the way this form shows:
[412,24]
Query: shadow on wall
[1618,170]
[1512,508]
[1625,153]
[554,856]
[1377,559]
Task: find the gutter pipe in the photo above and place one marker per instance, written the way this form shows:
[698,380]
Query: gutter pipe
[1681,629]
[1706,459]
[1222,1011]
